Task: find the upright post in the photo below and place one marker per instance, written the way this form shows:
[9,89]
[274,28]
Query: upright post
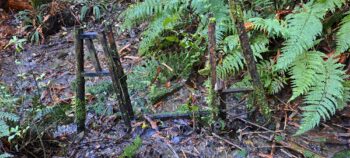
[117,75]
[122,84]
[212,64]
[257,98]
[80,111]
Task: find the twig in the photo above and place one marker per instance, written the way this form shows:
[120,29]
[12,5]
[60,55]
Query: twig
[183,153]
[125,47]
[254,124]
[227,141]
[173,150]
[288,154]
[294,146]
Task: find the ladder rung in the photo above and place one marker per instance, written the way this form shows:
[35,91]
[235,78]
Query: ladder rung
[237,90]
[89,35]
[96,74]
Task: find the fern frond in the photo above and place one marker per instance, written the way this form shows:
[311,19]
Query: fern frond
[343,34]
[4,129]
[325,5]
[345,99]
[272,26]
[8,116]
[231,64]
[273,81]
[259,45]
[141,11]
[321,100]
[234,61]
[303,72]
[221,14]
[303,28]
[155,29]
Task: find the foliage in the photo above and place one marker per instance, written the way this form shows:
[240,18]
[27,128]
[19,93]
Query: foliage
[323,98]
[17,42]
[130,150]
[7,116]
[5,155]
[101,91]
[97,8]
[32,21]
[343,42]
[299,59]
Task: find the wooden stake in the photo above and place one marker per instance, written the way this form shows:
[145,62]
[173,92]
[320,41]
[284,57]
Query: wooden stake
[219,110]
[117,75]
[80,111]
[258,97]
[120,73]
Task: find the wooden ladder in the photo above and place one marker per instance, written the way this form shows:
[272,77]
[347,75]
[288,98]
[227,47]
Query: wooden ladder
[115,68]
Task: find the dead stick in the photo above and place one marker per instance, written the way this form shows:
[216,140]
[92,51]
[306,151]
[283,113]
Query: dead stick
[254,124]
[293,146]
[227,141]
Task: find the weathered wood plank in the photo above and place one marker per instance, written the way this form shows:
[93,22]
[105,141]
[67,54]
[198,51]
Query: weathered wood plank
[96,74]
[117,75]
[80,111]
[89,35]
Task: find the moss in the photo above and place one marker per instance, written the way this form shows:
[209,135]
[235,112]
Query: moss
[80,114]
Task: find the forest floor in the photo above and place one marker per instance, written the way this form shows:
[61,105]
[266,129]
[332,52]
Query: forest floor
[54,64]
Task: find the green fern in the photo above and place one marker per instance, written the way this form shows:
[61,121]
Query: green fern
[322,99]
[140,11]
[234,61]
[6,117]
[272,27]
[303,72]
[156,27]
[303,27]
[343,40]
[5,155]
[273,80]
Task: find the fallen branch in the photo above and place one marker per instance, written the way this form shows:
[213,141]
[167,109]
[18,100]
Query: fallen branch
[227,141]
[296,147]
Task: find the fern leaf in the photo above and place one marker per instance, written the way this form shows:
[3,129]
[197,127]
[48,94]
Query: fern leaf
[140,11]
[8,116]
[230,65]
[303,28]
[343,40]
[321,100]
[325,5]
[303,72]
[156,27]
[271,26]
[4,129]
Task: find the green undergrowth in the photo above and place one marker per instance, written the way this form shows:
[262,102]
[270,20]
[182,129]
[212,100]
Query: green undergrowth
[131,149]
[288,48]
